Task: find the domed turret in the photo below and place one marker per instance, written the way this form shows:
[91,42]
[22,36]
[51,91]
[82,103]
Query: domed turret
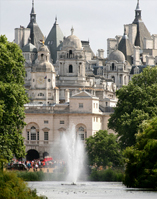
[72,41]
[117,56]
[43,57]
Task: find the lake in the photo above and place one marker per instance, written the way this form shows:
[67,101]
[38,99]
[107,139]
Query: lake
[89,190]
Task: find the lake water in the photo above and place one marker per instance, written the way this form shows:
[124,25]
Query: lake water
[89,190]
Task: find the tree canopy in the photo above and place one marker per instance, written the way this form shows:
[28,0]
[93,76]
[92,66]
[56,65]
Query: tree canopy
[136,102]
[103,149]
[141,159]
[12,99]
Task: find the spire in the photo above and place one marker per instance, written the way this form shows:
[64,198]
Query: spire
[72,30]
[138,5]
[138,12]
[32,12]
[56,20]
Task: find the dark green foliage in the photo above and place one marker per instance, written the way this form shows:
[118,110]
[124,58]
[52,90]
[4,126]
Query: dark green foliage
[40,176]
[136,102]
[12,99]
[141,159]
[103,149]
[12,187]
[109,175]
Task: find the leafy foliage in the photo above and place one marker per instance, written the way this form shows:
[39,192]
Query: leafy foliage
[103,149]
[136,102]
[12,99]
[13,187]
[108,175]
[141,159]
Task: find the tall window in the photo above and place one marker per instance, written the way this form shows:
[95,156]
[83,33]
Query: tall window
[81,133]
[70,53]
[70,69]
[27,135]
[112,66]
[33,133]
[46,136]
[113,78]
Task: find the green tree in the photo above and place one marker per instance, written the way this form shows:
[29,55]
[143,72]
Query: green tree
[103,149]
[12,99]
[136,102]
[141,159]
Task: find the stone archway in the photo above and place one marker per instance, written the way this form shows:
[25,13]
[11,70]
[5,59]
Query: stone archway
[32,154]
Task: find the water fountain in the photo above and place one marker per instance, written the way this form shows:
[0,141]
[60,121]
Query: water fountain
[73,153]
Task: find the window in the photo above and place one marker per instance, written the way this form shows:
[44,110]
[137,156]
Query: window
[33,80]
[33,133]
[96,105]
[61,122]
[81,136]
[27,135]
[40,94]
[46,122]
[70,69]
[49,80]
[81,128]
[80,105]
[112,66]
[46,136]
[37,135]
[106,104]
[113,78]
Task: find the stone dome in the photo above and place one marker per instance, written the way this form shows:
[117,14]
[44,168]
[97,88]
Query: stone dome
[45,67]
[72,41]
[116,55]
[44,48]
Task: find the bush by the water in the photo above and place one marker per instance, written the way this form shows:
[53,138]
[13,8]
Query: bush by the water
[13,187]
[40,176]
[109,175]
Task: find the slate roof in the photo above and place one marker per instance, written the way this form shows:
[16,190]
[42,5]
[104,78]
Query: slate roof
[29,48]
[126,48]
[141,68]
[142,31]
[54,40]
[35,33]
[86,47]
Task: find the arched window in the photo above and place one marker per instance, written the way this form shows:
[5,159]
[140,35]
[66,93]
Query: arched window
[70,53]
[70,69]
[42,56]
[81,133]
[112,66]
[33,133]
[113,78]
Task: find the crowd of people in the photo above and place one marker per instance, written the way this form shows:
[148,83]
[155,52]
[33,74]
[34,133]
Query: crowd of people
[38,164]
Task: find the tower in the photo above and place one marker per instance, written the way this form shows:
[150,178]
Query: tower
[35,33]
[142,31]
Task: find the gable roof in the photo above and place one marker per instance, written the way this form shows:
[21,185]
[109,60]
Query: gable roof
[84,94]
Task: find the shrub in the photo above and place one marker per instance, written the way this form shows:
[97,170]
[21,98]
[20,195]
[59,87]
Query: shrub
[109,175]
[13,187]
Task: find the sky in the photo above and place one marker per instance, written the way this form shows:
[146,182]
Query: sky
[93,20]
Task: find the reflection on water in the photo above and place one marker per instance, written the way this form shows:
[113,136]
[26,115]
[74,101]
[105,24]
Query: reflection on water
[90,190]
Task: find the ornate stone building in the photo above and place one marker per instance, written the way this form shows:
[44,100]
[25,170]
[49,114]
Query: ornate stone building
[68,85]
